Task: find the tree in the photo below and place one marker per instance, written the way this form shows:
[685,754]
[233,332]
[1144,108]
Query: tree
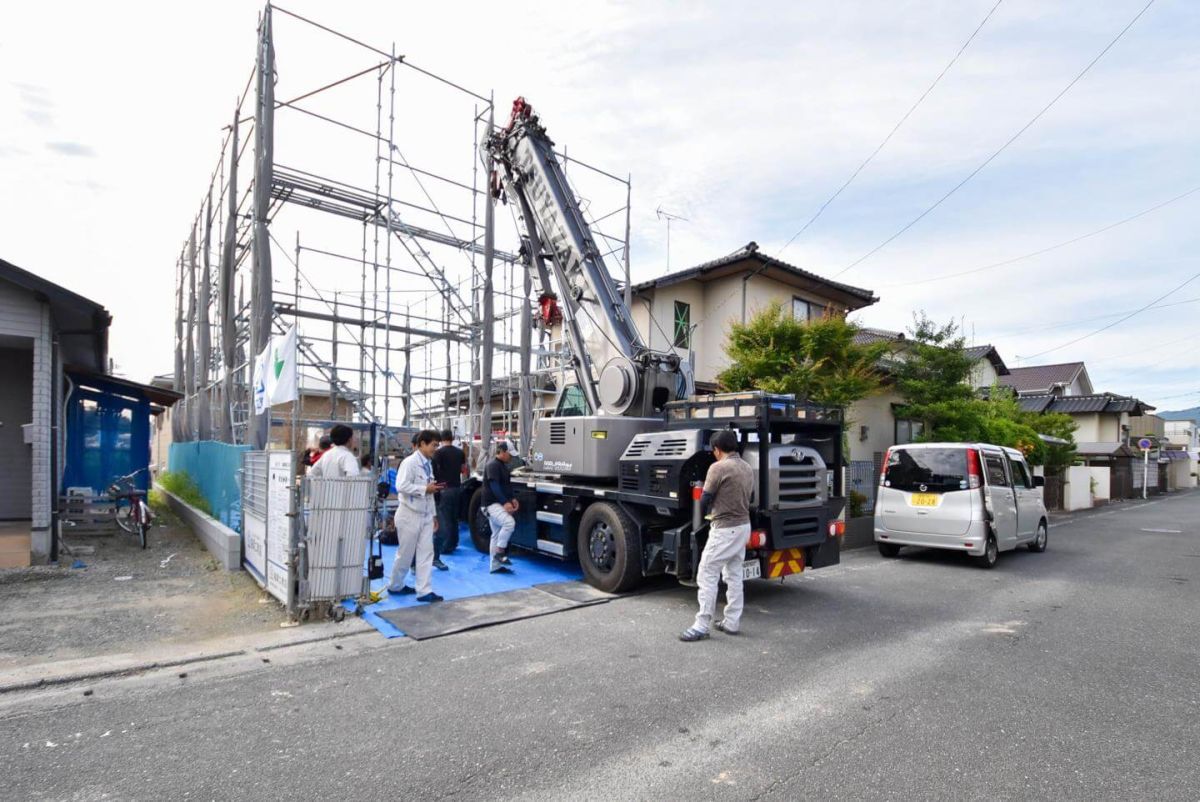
[933,376]
[816,360]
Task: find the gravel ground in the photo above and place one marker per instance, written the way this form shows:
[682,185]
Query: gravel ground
[126,599]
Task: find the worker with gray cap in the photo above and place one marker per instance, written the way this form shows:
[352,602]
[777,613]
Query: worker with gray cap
[500,503]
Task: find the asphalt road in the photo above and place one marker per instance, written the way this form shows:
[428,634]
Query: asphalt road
[1073,674]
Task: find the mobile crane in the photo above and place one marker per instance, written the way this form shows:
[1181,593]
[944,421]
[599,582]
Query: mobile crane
[614,474]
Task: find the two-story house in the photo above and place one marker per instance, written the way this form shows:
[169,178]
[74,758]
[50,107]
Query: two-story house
[690,311]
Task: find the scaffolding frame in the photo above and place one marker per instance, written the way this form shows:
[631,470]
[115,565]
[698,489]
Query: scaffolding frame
[409,313]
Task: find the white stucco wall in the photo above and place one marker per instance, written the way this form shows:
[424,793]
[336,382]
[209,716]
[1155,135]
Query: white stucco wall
[1077,494]
[1102,483]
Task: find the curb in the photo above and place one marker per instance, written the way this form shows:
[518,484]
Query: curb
[127,668]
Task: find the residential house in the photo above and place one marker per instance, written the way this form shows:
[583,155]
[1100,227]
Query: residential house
[64,422]
[1063,379]
[1102,432]
[690,311]
[1183,438]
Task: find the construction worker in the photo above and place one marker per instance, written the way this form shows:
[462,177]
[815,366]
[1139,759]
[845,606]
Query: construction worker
[449,465]
[726,495]
[500,503]
[339,460]
[416,520]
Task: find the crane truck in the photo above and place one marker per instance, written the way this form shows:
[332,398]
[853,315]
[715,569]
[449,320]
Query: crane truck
[613,475]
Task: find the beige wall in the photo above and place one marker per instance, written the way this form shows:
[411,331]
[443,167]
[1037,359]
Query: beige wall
[1142,425]
[1096,427]
[876,414]
[983,374]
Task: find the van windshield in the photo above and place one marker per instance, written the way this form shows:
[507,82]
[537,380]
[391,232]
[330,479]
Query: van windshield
[927,470]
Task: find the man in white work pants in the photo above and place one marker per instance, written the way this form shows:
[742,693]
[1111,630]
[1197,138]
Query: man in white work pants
[723,556]
[415,522]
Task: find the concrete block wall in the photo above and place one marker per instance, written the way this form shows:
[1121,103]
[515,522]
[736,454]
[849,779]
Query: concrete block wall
[1102,491]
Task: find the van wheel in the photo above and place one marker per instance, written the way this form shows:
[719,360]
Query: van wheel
[991,553]
[1039,543]
[889,549]
[610,548]
[477,520]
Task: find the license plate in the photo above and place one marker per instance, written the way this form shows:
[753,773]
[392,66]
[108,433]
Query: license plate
[751,569]
[924,499]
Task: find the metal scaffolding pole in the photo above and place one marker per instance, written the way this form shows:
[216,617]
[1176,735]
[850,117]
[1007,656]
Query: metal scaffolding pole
[488,321]
[225,305]
[204,344]
[262,287]
[190,354]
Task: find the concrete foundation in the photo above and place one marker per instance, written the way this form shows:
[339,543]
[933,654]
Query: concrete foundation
[224,543]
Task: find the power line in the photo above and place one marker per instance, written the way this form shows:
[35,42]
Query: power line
[1138,311]
[1068,323]
[1080,238]
[891,133]
[1001,149]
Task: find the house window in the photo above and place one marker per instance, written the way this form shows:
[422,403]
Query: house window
[683,325]
[803,310]
[908,431]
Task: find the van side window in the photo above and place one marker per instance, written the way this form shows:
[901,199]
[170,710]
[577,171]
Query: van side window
[995,470]
[1020,474]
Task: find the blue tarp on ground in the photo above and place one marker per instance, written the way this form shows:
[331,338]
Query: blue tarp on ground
[468,576]
[216,468]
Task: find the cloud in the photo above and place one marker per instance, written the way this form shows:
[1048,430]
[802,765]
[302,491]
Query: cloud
[72,149]
[36,104]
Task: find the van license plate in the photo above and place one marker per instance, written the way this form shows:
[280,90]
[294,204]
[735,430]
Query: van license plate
[751,569]
[924,499]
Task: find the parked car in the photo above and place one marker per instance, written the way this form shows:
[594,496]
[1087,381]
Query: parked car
[973,497]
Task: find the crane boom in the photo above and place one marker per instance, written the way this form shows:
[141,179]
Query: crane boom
[616,372]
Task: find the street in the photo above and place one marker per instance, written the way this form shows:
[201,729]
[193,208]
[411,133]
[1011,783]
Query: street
[1071,674]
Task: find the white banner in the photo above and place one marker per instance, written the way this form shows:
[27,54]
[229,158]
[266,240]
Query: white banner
[275,377]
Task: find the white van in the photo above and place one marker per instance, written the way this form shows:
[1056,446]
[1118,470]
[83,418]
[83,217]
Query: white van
[972,497]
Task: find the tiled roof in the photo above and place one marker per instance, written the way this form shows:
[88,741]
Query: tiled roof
[859,296]
[1041,378]
[867,336]
[988,352]
[1078,404]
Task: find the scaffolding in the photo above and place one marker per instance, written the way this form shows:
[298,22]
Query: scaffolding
[343,201]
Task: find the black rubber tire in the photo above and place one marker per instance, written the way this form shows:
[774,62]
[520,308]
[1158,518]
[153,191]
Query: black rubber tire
[618,547]
[1038,545]
[991,554]
[481,530]
[889,550]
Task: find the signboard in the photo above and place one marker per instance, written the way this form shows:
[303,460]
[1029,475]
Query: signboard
[1145,444]
[267,479]
[279,522]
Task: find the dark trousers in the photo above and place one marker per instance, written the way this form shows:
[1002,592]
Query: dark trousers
[447,515]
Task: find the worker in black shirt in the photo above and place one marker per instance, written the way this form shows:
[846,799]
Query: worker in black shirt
[449,464]
[500,503]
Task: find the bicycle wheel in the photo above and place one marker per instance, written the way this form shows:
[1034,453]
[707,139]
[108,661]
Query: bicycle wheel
[124,516]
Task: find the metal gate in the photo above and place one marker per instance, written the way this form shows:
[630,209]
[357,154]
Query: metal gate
[862,476]
[268,536]
[339,519]
[1052,493]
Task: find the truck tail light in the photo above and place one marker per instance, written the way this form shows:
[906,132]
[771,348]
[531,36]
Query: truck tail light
[697,491]
[974,473]
[837,528]
[758,539]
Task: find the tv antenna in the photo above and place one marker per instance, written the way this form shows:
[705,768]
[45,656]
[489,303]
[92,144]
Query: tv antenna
[668,216]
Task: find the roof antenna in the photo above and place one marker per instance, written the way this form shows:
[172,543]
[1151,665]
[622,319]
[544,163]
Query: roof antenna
[668,217]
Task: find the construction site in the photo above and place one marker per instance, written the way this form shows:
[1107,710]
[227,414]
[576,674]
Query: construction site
[352,196]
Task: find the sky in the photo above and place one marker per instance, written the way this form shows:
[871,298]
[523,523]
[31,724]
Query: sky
[742,120]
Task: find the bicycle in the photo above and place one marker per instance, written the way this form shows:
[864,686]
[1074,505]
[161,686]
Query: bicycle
[130,510]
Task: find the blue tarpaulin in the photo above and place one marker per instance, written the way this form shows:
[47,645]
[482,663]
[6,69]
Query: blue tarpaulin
[468,576]
[216,468]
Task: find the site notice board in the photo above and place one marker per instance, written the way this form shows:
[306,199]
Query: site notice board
[267,498]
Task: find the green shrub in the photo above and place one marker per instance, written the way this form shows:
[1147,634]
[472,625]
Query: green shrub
[184,488]
[856,501]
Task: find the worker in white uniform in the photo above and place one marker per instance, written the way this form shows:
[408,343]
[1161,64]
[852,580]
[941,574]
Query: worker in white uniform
[727,488]
[338,461]
[416,519]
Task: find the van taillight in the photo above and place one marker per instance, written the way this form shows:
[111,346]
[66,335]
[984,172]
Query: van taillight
[887,455]
[974,474]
